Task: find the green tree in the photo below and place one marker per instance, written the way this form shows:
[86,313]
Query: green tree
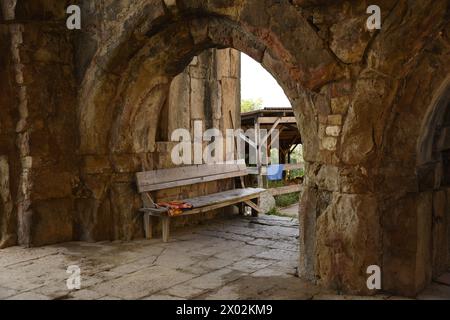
[248,105]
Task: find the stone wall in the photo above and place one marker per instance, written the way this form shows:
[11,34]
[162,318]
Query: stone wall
[40,135]
[434,183]
[9,159]
[107,207]
[82,110]
[53,193]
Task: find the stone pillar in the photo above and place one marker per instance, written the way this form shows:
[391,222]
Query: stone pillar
[38,136]
[9,156]
[340,234]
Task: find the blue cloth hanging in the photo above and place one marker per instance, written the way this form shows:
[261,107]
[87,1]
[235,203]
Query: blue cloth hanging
[275,172]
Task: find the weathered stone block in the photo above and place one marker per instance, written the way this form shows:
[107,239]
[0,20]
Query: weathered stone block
[94,164]
[334,120]
[341,88]
[407,240]
[126,163]
[308,213]
[223,63]
[48,183]
[329,143]
[340,105]
[267,202]
[440,233]
[327,178]
[333,131]
[52,221]
[125,204]
[197,101]
[322,103]
[350,39]
[348,226]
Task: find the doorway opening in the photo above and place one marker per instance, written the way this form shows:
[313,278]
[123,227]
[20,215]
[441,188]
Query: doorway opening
[279,167]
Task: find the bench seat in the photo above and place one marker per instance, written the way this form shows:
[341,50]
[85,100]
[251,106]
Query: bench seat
[213,201]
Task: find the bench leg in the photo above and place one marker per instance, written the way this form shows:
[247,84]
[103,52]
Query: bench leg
[255,213]
[165,228]
[148,226]
[254,206]
[241,207]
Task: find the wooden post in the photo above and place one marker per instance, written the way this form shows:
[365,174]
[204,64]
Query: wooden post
[258,154]
[148,225]
[255,206]
[256,212]
[241,207]
[165,228]
[236,146]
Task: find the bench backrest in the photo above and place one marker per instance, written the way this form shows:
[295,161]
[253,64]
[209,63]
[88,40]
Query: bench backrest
[183,176]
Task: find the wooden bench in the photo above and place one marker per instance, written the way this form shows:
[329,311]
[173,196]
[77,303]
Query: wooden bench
[155,180]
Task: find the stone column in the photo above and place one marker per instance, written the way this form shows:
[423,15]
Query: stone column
[339,215]
[42,125]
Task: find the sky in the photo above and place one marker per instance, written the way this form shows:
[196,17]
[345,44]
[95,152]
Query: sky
[257,83]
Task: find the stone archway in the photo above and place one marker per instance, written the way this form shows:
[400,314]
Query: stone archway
[413,217]
[73,139]
[433,174]
[122,97]
[166,53]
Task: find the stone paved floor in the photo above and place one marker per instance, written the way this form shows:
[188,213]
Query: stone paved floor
[291,211]
[226,259]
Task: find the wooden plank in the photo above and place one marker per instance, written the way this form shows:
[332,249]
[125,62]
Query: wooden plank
[293,166]
[188,175]
[246,139]
[286,190]
[253,206]
[274,127]
[252,170]
[187,172]
[270,120]
[258,154]
[223,197]
[236,145]
[277,135]
[287,167]
[174,184]
[218,200]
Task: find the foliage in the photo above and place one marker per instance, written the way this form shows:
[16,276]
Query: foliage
[297,154]
[284,200]
[275,184]
[296,157]
[274,212]
[248,105]
[297,173]
[287,200]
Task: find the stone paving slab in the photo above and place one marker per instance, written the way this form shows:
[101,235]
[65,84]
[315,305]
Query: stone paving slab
[6,293]
[444,279]
[142,283]
[241,258]
[435,291]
